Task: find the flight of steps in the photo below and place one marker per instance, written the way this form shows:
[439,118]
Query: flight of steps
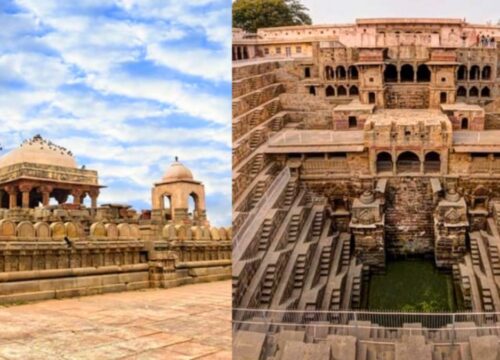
[257,164]
[268,285]
[257,193]
[487,299]
[293,229]
[264,235]
[256,139]
[277,124]
[356,293]
[474,251]
[325,260]
[495,260]
[289,194]
[335,300]
[346,254]
[317,226]
[300,271]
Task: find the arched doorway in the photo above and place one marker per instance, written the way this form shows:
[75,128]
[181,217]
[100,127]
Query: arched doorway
[474,73]
[371,98]
[423,73]
[353,90]
[167,206]
[485,92]
[307,72]
[432,162]
[486,73]
[407,73]
[328,72]
[461,91]
[384,162]
[312,90]
[341,91]
[353,72]
[443,98]
[462,72]
[329,91]
[408,162]
[341,73]
[193,206]
[473,92]
[390,73]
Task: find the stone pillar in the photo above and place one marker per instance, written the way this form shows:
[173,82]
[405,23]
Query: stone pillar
[77,196]
[45,190]
[12,191]
[94,194]
[25,190]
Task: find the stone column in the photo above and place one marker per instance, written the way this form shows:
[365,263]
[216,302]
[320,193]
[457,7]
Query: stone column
[25,189]
[93,197]
[45,190]
[77,196]
[12,191]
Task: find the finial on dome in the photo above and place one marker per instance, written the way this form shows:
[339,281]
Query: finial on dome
[176,158]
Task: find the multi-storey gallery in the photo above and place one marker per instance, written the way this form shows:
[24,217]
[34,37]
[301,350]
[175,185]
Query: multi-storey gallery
[52,245]
[355,148]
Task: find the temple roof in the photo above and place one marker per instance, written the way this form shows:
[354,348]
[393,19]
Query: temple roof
[177,172]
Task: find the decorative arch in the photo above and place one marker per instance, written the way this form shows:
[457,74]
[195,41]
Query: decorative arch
[407,73]
[486,73]
[329,91]
[341,91]
[474,72]
[407,162]
[432,162]
[353,90]
[340,72]
[423,73]
[485,92]
[328,72]
[384,162]
[473,92]
[390,73]
[461,91]
[353,72]
[462,72]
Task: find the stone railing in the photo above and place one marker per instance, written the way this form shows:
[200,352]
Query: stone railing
[50,172]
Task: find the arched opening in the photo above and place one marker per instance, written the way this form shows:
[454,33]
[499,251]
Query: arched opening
[307,72]
[353,72]
[328,72]
[167,207]
[312,90]
[473,92]
[238,51]
[407,73]
[443,98]
[423,73]
[341,74]
[462,72]
[341,91]
[371,98]
[245,53]
[329,91]
[353,90]
[474,73]
[486,73]
[464,124]
[353,122]
[485,92]
[384,162]
[461,91]
[193,206]
[390,73]
[432,162]
[408,162]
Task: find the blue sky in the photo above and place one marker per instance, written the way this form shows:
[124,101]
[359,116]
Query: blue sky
[126,85]
[328,12]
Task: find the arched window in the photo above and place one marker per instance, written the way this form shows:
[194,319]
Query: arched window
[353,90]
[486,73]
[353,122]
[443,98]
[462,72]
[193,206]
[485,92]
[307,72]
[329,91]
[408,162]
[407,73]
[341,74]
[312,90]
[390,73]
[384,162]
[432,163]
[328,72]
[167,206]
[474,73]
[461,91]
[464,125]
[371,98]
[341,91]
[353,72]
[423,73]
[473,92]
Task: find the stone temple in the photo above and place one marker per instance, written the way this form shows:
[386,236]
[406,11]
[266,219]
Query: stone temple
[354,146]
[52,245]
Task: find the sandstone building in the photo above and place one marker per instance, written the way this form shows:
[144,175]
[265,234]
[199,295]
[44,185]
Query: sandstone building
[52,245]
[354,144]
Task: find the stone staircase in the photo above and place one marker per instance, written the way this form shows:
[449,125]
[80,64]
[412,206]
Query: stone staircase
[257,164]
[268,284]
[300,271]
[267,228]
[326,255]
[293,228]
[257,193]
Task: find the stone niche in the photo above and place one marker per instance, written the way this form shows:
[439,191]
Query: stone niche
[367,227]
[450,229]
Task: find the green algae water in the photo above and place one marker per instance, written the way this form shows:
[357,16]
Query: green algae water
[413,285]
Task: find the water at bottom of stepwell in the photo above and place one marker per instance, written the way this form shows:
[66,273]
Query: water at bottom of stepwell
[412,285]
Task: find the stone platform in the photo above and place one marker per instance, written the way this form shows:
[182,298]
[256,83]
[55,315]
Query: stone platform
[186,322]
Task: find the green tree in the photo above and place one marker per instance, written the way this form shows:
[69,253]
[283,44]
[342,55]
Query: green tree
[253,14]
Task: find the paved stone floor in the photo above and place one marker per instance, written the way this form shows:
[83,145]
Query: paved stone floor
[188,322]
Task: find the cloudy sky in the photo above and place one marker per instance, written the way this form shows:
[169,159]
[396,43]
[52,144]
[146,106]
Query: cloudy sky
[327,11]
[125,85]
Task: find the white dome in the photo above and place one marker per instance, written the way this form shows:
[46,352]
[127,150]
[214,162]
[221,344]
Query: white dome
[39,151]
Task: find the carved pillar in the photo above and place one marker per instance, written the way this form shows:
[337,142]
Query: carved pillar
[93,197]
[77,196]
[45,190]
[25,190]
[12,191]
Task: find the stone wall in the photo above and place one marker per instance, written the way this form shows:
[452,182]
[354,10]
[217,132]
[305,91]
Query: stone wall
[407,96]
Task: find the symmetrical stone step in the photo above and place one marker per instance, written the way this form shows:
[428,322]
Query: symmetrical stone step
[300,271]
[268,285]
[325,260]
[265,234]
[293,229]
